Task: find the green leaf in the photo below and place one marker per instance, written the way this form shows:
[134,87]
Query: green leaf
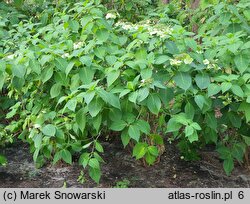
[183,80]
[153,150]
[150,159]
[95,174]
[66,156]
[191,43]
[161,59]
[88,96]
[202,80]
[112,76]
[81,119]
[110,98]
[57,157]
[172,48]
[100,52]
[140,149]
[19,71]
[134,132]
[189,131]
[193,137]
[71,104]
[3,160]
[35,66]
[94,163]
[69,67]
[84,159]
[61,64]
[242,62]
[98,147]
[143,126]
[195,126]
[125,138]
[225,86]
[247,140]
[118,125]
[173,126]
[95,106]
[55,90]
[38,140]
[200,101]
[237,91]
[47,74]
[49,130]
[86,74]
[86,60]
[213,89]
[154,103]
[189,111]
[142,94]
[235,119]
[2,80]
[245,107]
[228,165]
[74,25]
[211,121]
[102,35]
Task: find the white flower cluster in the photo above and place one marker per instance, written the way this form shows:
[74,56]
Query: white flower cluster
[158,30]
[77,45]
[10,57]
[211,65]
[206,62]
[182,58]
[65,55]
[110,16]
[175,62]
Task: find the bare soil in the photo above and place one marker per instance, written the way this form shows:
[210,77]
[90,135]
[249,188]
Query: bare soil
[170,172]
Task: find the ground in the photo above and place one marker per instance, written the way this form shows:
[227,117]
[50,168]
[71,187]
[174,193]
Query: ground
[120,169]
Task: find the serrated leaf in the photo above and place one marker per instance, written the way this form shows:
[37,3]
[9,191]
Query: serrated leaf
[228,165]
[143,126]
[98,147]
[242,62]
[183,80]
[200,101]
[161,59]
[81,119]
[140,149]
[225,86]
[153,150]
[102,35]
[71,104]
[61,64]
[125,138]
[189,131]
[118,125]
[55,90]
[94,163]
[134,132]
[66,156]
[95,174]
[49,130]
[154,103]
[202,80]
[112,76]
[19,71]
[237,90]
[95,106]
[142,94]
[213,89]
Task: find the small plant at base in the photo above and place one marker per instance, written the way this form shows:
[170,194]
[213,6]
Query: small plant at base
[122,184]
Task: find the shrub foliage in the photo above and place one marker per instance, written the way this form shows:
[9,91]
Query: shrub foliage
[78,72]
